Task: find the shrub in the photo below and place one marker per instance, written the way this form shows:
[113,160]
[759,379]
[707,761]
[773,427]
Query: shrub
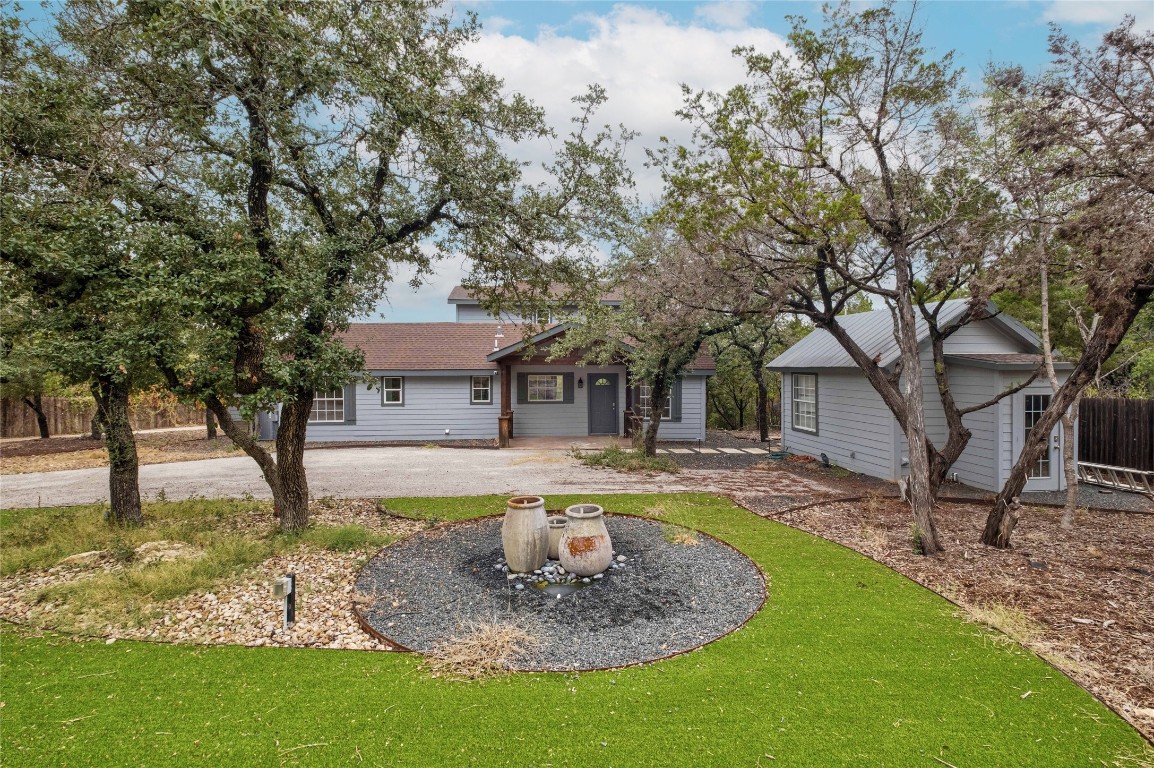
[614,457]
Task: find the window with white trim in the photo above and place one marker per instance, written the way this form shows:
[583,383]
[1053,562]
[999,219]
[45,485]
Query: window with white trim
[645,402]
[392,390]
[804,400]
[546,388]
[481,390]
[328,407]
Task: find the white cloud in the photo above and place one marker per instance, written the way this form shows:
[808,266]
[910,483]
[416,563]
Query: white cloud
[728,14]
[1100,12]
[640,56]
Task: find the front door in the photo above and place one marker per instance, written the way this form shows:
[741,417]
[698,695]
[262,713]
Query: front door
[1046,474]
[602,403]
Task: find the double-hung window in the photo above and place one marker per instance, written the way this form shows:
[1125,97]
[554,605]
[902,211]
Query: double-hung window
[546,388]
[645,402]
[328,406]
[392,390]
[481,390]
[804,393]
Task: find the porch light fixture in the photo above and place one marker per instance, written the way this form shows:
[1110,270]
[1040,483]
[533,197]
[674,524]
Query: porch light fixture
[580,383]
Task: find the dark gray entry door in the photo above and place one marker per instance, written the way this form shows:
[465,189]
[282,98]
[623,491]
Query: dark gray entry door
[602,403]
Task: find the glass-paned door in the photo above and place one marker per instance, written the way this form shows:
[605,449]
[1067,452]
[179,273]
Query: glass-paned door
[1035,405]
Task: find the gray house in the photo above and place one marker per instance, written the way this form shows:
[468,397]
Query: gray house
[828,405]
[471,380]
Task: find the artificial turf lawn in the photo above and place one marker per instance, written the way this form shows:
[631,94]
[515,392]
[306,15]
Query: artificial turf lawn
[848,663]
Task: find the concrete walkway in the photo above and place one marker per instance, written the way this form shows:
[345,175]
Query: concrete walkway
[350,473]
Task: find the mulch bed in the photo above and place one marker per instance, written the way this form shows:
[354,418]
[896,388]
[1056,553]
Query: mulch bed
[182,441]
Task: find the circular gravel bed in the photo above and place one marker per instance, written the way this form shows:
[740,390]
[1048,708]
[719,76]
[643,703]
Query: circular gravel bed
[670,594]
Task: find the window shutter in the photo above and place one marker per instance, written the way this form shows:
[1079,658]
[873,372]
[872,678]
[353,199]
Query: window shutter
[567,382]
[350,404]
[675,404]
[522,387]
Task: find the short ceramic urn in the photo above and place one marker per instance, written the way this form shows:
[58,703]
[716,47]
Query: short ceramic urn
[525,534]
[556,529]
[585,548]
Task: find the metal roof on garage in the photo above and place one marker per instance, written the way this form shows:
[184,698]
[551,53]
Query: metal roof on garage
[874,332]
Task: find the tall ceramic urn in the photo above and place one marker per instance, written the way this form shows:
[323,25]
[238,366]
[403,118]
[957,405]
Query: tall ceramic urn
[585,548]
[525,534]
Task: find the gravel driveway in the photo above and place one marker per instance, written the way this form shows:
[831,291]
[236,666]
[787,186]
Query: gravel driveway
[350,473]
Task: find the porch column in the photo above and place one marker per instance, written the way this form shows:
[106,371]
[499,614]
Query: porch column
[505,421]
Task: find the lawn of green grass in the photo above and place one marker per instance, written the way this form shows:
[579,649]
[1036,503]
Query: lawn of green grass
[847,664]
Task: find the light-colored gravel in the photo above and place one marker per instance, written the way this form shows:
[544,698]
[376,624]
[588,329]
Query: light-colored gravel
[348,473]
[662,595]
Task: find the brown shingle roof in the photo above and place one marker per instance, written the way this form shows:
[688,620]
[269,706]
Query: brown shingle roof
[441,346]
[426,346]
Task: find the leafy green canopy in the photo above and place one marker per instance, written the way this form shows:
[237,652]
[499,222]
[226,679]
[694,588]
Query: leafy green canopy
[301,152]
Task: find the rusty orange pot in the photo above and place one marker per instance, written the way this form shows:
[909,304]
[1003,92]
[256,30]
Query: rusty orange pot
[585,548]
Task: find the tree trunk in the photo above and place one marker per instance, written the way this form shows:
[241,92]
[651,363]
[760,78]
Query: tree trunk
[1069,466]
[290,452]
[658,396]
[649,445]
[96,429]
[111,395]
[1068,417]
[36,403]
[1107,336]
[285,475]
[919,491]
[210,423]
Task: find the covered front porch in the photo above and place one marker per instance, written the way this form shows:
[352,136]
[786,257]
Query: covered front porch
[549,402]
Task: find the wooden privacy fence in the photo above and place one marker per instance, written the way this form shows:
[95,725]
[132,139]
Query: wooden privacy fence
[1118,432]
[65,417]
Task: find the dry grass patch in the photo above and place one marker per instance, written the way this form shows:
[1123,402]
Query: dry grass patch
[875,541]
[1014,624]
[675,534]
[481,649]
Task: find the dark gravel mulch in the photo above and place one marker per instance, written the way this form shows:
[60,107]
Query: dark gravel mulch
[667,598]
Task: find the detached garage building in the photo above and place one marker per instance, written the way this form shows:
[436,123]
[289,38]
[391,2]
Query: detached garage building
[828,405]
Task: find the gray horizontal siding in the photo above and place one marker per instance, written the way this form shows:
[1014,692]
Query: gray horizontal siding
[978,464]
[472,313]
[692,424]
[855,429]
[433,404]
[970,385]
[562,419]
[982,337]
[935,415]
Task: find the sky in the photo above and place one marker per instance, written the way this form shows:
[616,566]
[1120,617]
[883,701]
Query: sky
[642,52]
